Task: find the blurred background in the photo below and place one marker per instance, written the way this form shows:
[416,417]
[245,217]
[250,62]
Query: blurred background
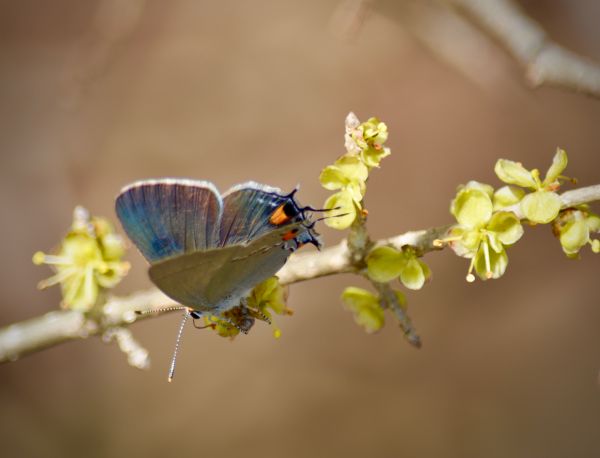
[97,94]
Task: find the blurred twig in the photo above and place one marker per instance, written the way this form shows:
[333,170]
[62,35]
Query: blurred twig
[545,62]
[445,28]
[55,327]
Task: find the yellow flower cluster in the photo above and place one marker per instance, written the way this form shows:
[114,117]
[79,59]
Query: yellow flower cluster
[87,262]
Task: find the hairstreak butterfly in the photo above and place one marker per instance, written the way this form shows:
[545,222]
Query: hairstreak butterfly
[207,250]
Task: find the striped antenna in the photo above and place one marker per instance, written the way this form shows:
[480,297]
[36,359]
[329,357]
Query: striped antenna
[161,309]
[186,315]
[260,315]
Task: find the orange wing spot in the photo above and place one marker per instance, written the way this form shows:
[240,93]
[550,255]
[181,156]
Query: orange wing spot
[290,235]
[279,217]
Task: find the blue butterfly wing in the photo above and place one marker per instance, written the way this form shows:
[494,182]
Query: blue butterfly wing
[168,217]
[217,279]
[248,210]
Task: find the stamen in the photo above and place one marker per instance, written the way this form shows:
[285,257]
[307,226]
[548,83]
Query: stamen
[439,243]
[488,267]
[57,278]
[470,276]
[42,258]
[565,178]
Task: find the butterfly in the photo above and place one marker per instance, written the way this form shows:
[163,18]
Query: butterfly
[207,250]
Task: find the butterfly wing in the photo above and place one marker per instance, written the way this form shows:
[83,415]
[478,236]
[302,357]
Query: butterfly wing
[218,279]
[205,251]
[251,210]
[187,278]
[168,217]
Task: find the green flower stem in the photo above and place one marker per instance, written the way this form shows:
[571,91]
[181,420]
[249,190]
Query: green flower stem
[59,326]
[390,300]
[359,242]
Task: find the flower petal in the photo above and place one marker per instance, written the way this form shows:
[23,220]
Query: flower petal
[497,261]
[365,307]
[352,168]
[332,178]
[507,196]
[384,263]
[541,206]
[514,173]
[507,227]
[495,242]
[593,222]
[347,208]
[413,276]
[472,208]
[574,236]
[559,163]
[467,245]
[373,155]
[357,191]
[481,187]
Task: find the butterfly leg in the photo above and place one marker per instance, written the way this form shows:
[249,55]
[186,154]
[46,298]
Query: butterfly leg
[254,312]
[238,317]
[242,327]
[196,316]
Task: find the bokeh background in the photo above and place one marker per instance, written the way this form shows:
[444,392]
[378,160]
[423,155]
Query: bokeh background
[96,94]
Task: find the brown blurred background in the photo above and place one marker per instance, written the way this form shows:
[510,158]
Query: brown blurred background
[96,94]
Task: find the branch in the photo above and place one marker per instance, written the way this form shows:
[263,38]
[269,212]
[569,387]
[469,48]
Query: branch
[55,327]
[545,62]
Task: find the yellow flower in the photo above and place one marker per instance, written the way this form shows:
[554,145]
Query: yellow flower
[88,261]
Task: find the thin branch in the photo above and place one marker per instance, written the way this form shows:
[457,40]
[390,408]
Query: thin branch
[55,327]
[580,196]
[545,62]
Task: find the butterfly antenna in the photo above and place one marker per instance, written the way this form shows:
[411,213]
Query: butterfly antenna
[186,315]
[161,309]
[328,217]
[323,210]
